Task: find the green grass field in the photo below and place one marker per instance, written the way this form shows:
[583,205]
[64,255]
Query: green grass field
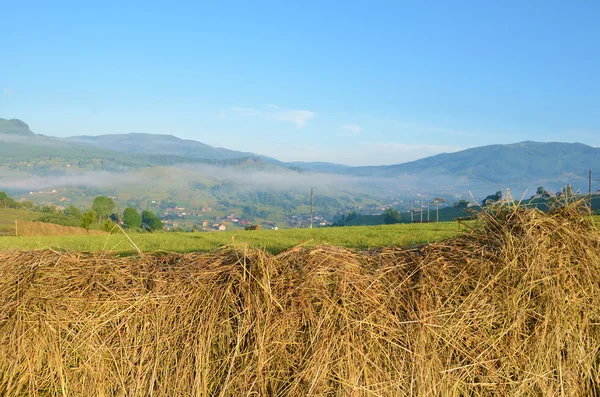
[361,237]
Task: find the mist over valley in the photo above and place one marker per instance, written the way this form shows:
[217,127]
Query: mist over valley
[163,171]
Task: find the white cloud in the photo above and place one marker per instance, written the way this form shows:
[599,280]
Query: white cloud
[298,117]
[274,112]
[8,91]
[353,128]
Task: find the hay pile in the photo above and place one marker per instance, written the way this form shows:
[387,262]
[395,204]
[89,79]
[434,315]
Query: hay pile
[512,308]
[25,228]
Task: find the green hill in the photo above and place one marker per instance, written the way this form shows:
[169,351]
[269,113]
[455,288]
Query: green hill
[14,127]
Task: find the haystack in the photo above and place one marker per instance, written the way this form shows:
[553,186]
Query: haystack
[510,308]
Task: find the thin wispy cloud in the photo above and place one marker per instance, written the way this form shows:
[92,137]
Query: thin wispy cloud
[353,128]
[8,91]
[298,117]
[273,112]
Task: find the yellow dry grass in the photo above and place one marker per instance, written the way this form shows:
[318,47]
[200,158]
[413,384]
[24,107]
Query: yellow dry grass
[49,229]
[511,309]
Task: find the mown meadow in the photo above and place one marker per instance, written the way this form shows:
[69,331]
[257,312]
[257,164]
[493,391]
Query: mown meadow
[274,241]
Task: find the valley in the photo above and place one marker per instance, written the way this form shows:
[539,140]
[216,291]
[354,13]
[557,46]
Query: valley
[181,179]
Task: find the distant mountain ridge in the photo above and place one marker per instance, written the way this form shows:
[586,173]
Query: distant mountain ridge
[497,162]
[518,165]
[141,143]
[521,166]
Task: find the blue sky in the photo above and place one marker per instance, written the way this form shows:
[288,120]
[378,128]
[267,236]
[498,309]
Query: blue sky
[360,83]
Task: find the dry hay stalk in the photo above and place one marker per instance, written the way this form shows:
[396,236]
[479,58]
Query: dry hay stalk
[512,308]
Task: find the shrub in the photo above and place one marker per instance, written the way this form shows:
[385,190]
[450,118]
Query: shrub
[87,219]
[108,225]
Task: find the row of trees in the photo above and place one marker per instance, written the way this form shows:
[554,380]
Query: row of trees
[148,220]
[103,212]
[7,202]
[390,216]
[104,209]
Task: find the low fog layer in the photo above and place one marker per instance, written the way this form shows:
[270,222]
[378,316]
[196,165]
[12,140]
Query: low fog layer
[89,179]
[281,179]
[255,178]
[35,140]
[245,178]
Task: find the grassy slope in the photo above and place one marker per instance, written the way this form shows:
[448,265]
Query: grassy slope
[272,240]
[8,217]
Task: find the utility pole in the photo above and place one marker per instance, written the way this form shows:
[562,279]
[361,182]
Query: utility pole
[411,213]
[311,207]
[437,207]
[421,209]
[427,210]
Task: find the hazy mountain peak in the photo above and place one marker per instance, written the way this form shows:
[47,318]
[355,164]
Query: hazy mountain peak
[161,144]
[14,127]
[128,136]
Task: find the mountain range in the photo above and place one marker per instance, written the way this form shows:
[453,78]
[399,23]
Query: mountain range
[169,145]
[518,165]
[523,165]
